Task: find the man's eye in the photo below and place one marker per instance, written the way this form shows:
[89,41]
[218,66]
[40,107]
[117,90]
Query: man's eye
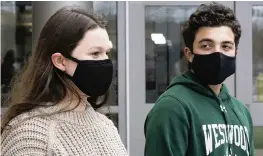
[227,47]
[205,46]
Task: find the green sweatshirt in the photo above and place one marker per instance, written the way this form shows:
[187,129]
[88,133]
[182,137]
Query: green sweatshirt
[189,119]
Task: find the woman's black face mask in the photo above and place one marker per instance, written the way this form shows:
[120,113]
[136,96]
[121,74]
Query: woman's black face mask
[92,77]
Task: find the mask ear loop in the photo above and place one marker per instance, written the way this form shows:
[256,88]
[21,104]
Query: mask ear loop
[192,53]
[192,57]
[73,59]
[189,63]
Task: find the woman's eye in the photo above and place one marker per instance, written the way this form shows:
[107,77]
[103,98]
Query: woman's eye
[96,53]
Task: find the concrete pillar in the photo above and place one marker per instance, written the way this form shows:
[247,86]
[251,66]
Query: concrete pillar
[43,10]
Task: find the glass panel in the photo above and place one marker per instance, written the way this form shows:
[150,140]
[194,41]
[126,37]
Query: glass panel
[16,40]
[257,27]
[258,137]
[108,10]
[164,46]
[115,119]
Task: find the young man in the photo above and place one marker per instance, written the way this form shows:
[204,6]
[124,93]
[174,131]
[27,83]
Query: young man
[196,116]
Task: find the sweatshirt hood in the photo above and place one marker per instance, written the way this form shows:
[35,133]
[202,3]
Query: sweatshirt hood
[189,80]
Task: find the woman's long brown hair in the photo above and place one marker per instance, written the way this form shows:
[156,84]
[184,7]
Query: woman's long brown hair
[40,82]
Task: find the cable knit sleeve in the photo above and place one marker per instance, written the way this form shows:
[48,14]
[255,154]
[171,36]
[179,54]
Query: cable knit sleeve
[29,138]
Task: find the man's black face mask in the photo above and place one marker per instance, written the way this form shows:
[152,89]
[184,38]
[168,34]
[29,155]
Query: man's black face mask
[213,68]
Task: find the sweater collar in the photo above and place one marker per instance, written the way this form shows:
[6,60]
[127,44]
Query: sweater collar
[89,115]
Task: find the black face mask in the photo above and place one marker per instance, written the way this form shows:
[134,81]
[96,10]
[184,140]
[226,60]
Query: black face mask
[93,77]
[213,68]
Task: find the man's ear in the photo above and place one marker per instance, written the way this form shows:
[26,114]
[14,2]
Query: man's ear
[188,54]
[59,61]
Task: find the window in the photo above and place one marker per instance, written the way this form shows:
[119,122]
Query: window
[258,137]
[16,40]
[257,34]
[164,46]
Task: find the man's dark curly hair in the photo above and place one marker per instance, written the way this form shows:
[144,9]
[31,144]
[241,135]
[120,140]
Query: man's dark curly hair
[210,15]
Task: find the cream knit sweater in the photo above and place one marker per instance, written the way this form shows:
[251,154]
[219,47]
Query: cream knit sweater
[87,133]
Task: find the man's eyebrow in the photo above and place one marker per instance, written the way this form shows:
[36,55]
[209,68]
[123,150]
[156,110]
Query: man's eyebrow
[205,40]
[228,42]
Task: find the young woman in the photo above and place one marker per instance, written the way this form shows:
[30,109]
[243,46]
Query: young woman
[54,100]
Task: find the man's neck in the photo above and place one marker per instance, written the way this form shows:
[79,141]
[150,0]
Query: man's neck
[216,88]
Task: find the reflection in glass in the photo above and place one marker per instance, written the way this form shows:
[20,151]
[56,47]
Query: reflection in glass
[257,27]
[164,46]
[16,41]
